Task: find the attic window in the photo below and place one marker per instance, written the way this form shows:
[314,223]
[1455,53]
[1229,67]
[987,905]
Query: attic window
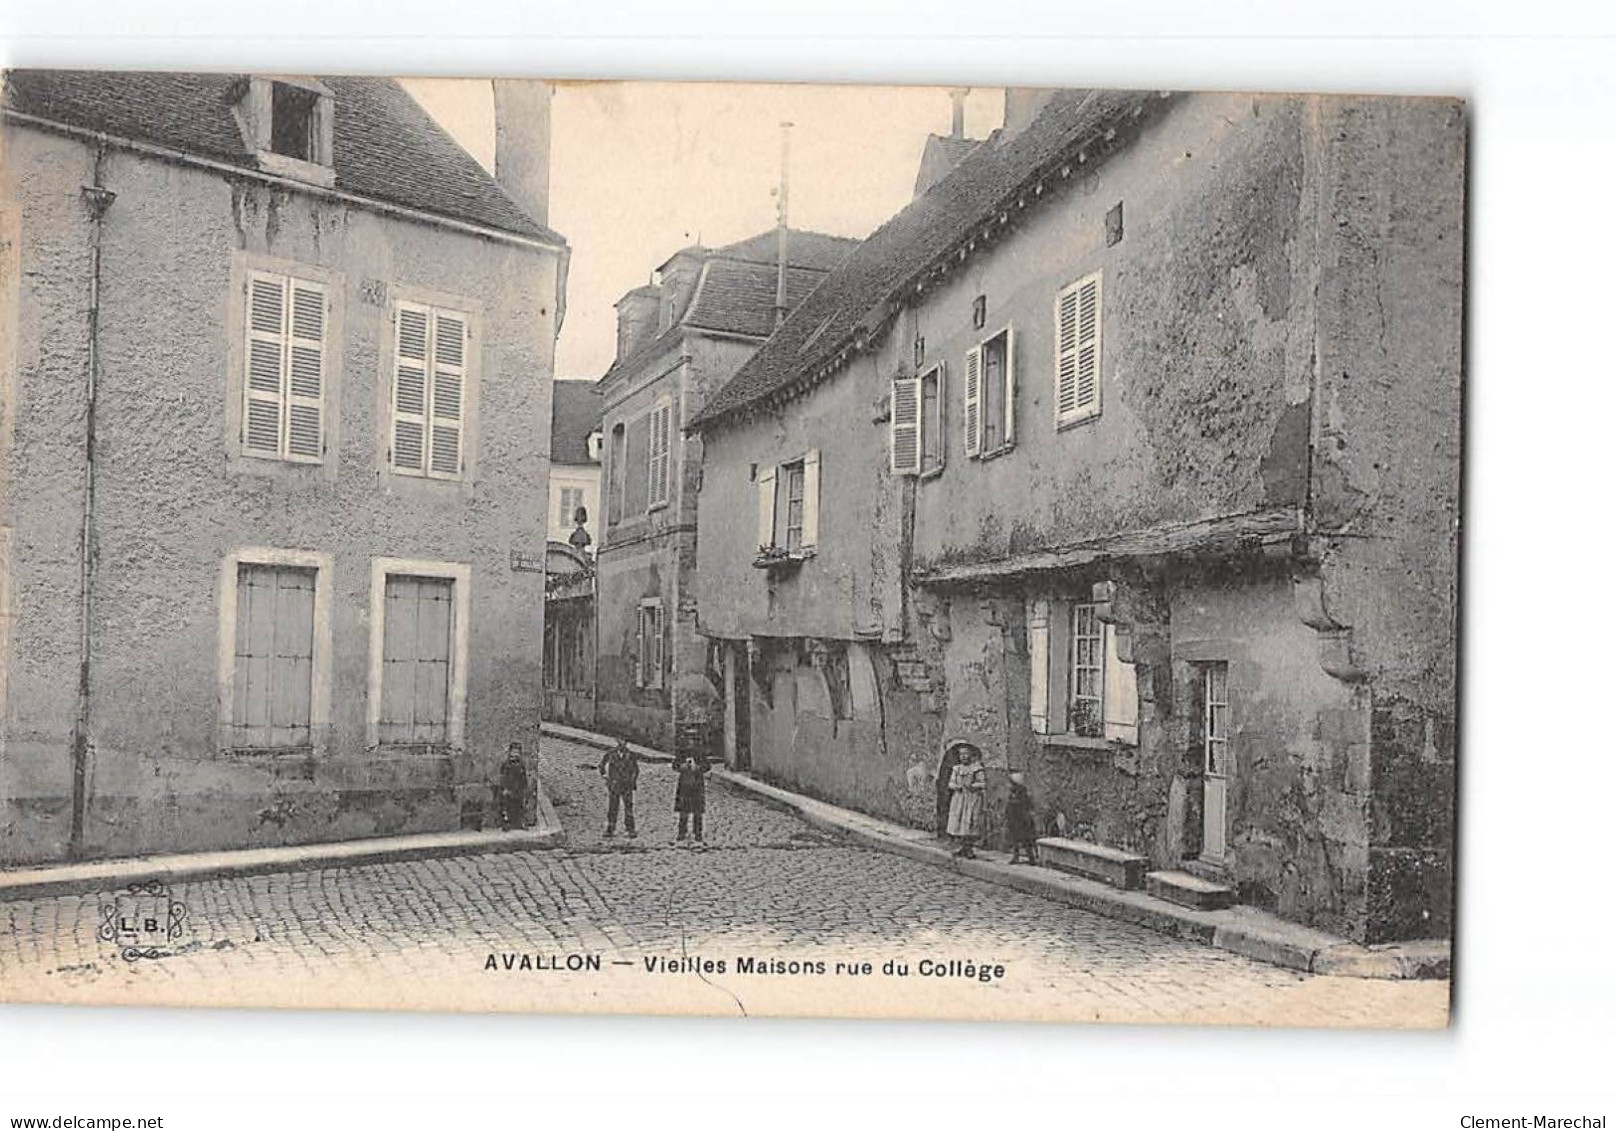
[292,127]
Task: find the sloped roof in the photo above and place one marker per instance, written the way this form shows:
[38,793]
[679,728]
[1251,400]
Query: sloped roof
[858,297]
[735,292]
[384,146]
[574,414]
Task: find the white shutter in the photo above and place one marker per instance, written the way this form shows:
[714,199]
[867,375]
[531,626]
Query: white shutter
[1066,354]
[1121,695]
[905,427]
[660,464]
[765,486]
[1087,376]
[447,393]
[940,432]
[1038,664]
[263,422]
[1009,385]
[409,443]
[657,636]
[973,401]
[305,389]
[639,649]
[810,499]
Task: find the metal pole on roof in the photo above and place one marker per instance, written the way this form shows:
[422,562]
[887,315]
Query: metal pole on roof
[785,185]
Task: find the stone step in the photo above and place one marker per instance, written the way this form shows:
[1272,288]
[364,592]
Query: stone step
[1189,891]
[1125,870]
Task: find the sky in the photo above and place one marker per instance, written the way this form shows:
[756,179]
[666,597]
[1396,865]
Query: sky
[641,169]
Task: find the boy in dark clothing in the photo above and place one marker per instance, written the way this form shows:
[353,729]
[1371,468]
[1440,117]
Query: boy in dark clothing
[621,769]
[512,789]
[690,797]
[1021,830]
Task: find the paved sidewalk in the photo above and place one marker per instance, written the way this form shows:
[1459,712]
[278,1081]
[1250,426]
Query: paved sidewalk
[105,875]
[1241,930]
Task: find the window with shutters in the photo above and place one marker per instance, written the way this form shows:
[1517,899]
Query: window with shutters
[916,423]
[430,347]
[659,460]
[788,511]
[1077,351]
[417,651]
[649,643]
[990,395]
[283,412]
[273,681]
[1080,686]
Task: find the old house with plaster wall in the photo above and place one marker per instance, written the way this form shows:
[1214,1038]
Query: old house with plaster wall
[1137,444]
[678,340]
[276,354]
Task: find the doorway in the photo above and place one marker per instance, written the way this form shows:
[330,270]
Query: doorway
[1215,762]
[739,671]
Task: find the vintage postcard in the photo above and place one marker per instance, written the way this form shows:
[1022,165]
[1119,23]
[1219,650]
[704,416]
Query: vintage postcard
[729,549]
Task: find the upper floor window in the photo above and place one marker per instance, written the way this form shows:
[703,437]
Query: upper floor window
[616,465]
[429,386]
[1077,351]
[990,395]
[788,506]
[287,123]
[292,130]
[283,414]
[659,459]
[917,423]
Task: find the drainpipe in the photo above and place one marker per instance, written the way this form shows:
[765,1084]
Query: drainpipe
[98,199]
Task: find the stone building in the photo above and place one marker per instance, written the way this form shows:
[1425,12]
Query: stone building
[678,340]
[569,581]
[1137,453]
[276,350]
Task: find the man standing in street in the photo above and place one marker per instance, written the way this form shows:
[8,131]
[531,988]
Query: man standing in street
[621,769]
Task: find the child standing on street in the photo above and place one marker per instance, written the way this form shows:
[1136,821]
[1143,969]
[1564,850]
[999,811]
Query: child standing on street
[690,797]
[512,789]
[968,782]
[1020,829]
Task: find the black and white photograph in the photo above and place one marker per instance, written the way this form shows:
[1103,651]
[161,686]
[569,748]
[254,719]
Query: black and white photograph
[585,554]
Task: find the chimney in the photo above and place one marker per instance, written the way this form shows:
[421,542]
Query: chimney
[783,236]
[522,143]
[957,97]
[638,313]
[1022,104]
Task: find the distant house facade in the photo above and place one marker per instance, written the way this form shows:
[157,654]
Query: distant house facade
[569,584]
[1137,450]
[678,341]
[270,554]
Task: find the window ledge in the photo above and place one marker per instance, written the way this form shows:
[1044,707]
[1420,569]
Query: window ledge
[1076,422]
[932,474]
[296,169]
[995,453]
[1084,742]
[781,559]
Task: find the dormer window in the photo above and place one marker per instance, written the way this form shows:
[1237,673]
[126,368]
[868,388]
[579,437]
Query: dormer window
[292,113]
[287,123]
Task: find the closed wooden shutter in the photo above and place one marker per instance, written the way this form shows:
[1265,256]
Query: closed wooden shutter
[448,393]
[1009,385]
[973,401]
[263,423]
[640,646]
[659,465]
[1038,664]
[274,660]
[1066,354]
[412,325]
[1121,694]
[1088,348]
[905,426]
[656,638]
[305,399]
[810,499]
[416,641]
[765,500]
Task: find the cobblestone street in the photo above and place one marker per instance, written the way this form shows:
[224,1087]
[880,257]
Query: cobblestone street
[439,934]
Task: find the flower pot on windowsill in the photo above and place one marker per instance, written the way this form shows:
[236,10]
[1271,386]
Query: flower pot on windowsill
[772,557]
